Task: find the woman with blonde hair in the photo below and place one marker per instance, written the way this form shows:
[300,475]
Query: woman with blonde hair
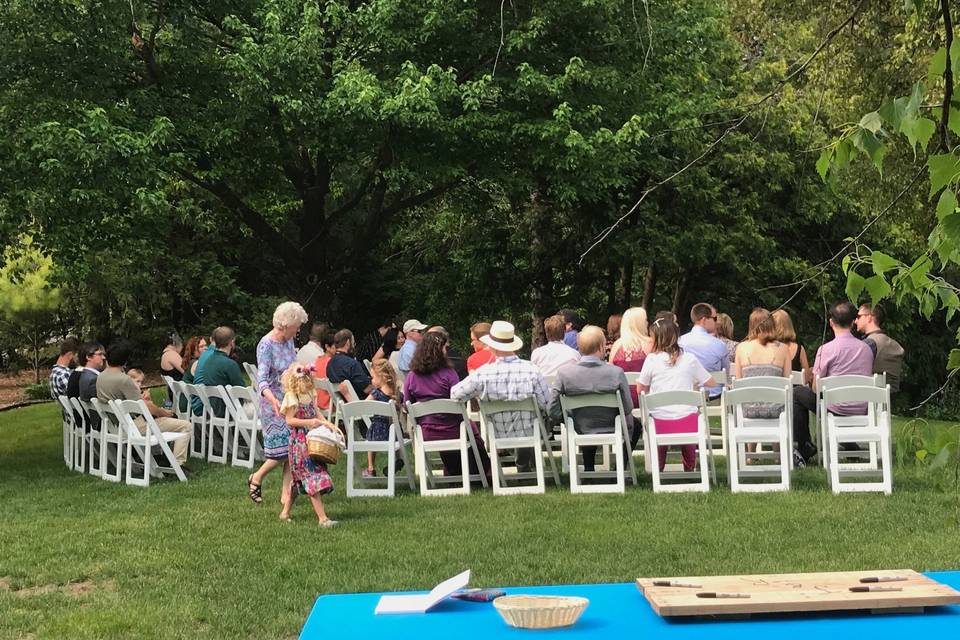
[725,333]
[788,336]
[630,350]
[275,353]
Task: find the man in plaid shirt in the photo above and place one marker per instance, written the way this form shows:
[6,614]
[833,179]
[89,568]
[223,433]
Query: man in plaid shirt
[60,373]
[506,378]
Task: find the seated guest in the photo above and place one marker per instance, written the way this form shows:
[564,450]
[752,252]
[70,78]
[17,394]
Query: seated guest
[413,330]
[393,339]
[432,377]
[613,330]
[481,354]
[114,384]
[788,336]
[571,326]
[366,348]
[704,346]
[93,359]
[724,331]
[844,355]
[592,375]
[457,361]
[343,367]
[761,355]
[171,362]
[60,373]
[667,368]
[195,346]
[394,357]
[507,378]
[220,369]
[634,344]
[555,354]
[887,352]
[309,352]
[320,367]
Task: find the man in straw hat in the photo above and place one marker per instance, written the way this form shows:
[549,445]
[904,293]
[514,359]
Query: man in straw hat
[506,378]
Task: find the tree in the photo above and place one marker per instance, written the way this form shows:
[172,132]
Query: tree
[28,299]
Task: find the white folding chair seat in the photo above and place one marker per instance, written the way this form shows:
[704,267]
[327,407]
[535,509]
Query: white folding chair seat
[488,408]
[432,484]
[833,382]
[718,435]
[618,441]
[245,414]
[218,425]
[743,431]
[875,430]
[112,440]
[357,446]
[143,444]
[689,480]
[766,382]
[198,444]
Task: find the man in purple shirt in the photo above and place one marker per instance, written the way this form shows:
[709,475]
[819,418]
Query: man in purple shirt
[844,355]
[703,345]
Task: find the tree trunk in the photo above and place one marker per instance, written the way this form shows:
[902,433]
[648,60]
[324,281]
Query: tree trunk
[649,287]
[679,291]
[626,285]
[611,291]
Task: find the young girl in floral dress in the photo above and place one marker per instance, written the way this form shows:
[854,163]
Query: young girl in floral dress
[299,408]
[386,387]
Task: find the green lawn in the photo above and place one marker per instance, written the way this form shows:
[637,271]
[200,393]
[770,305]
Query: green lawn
[84,558]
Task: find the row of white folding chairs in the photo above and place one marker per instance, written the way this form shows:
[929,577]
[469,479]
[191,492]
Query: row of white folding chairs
[238,427]
[116,439]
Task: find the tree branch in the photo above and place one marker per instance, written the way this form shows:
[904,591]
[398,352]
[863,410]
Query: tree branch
[947,77]
[736,124]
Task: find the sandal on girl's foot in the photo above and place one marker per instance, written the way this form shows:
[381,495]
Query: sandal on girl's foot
[286,518]
[369,473]
[253,490]
[326,524]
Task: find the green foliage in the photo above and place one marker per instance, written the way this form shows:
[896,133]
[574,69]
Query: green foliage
[38,391]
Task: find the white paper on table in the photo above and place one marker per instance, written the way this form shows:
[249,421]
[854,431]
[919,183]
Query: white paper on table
[421,603]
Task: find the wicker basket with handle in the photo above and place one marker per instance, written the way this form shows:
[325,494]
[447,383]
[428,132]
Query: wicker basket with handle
[540,612]
[325,445]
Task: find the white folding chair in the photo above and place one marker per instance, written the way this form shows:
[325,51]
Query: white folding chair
[743,431]
[796,377]
[142,444]
[111,440]
[718,435]
[68,419]
[696,401]
[536,440]
[245,414]
[94,433]
[218,425]
[441,485]
[198,444]
[633,377]
[878,380]
[181,399]
[767,382]
[336,398]
[81,422]
[618,441]
[368,366]
[357,446]
[251,371]
[875,430]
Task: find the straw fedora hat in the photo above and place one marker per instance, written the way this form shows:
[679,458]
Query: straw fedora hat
[502,337]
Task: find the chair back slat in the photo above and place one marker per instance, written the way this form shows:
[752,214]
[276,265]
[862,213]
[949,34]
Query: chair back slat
[667,398]
[770,382]
[434,407]
[734,397]
[870,395]
[610,400]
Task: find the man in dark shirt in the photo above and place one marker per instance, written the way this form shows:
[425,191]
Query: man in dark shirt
[219,369]
[343,367]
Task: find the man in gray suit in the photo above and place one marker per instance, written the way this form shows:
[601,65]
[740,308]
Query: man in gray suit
[592,375]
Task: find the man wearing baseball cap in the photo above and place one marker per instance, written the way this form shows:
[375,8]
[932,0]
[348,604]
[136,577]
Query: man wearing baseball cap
[413,329]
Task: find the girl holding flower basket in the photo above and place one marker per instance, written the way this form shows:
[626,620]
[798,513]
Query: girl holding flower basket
[299,408]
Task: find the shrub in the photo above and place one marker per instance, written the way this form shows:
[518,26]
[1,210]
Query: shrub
[39,391]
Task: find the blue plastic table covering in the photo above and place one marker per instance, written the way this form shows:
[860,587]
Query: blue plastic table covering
[618,611]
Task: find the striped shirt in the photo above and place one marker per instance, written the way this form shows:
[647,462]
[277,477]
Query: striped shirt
[58,380]
[507,378]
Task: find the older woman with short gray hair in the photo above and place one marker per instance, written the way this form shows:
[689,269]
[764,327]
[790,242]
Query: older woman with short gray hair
[275,353]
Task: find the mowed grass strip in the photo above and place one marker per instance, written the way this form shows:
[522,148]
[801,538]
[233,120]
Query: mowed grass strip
[84,558]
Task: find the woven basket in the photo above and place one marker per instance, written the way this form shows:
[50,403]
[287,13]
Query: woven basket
[324,445]
[540,612]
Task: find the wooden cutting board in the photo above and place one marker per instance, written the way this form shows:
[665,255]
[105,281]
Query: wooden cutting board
[794,592]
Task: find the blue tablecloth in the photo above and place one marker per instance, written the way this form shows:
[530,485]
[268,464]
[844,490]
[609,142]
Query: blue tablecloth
[617,611]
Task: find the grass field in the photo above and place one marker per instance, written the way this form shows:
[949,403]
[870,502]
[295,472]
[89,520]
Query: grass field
[84,558]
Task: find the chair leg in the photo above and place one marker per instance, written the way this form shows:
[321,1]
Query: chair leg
[465,462]
[572,465]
